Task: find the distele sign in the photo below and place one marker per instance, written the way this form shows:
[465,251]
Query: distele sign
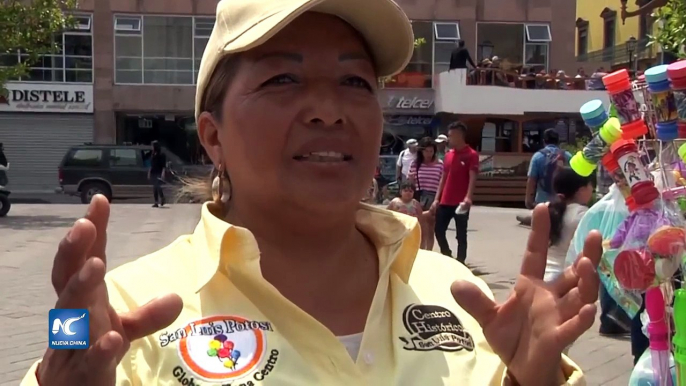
[47,98]
[409,103]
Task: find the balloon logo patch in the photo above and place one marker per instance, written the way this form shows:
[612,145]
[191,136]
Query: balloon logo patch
[223,348]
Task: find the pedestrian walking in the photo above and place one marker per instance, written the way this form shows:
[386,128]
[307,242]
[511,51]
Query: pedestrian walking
[425,174]
[405,160]
[455,190]
[156,174]
[542,168]
[3,162]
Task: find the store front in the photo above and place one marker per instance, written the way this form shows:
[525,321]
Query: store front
[177,132]
[408,113]
[506,145]
[39,122]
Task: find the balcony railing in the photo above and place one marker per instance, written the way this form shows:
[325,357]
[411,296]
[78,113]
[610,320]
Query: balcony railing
[503,78]
[618,54]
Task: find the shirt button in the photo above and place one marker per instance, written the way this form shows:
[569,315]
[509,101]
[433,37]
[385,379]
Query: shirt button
[368,358]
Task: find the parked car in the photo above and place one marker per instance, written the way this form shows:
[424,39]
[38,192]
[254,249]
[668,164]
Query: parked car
[118,171]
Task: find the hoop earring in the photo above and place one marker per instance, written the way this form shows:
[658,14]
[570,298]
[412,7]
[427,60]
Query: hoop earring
[221,187]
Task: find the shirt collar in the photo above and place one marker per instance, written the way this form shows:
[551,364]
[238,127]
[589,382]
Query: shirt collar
[217,244]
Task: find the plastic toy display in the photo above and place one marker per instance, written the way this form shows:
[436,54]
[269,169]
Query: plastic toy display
[646,246]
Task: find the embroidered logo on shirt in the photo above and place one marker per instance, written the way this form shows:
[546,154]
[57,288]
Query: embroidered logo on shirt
[222,349]
[434,328]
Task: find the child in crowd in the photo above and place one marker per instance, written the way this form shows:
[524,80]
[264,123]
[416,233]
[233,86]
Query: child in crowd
[406,204]
[573,193]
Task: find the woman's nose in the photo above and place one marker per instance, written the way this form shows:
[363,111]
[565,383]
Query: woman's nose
[324,106]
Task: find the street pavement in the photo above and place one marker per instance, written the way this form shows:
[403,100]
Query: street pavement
[30,234]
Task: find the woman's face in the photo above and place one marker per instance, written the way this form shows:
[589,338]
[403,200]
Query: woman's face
[428,153]
[301,123]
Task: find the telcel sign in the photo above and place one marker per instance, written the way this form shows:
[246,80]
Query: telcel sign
[405,103]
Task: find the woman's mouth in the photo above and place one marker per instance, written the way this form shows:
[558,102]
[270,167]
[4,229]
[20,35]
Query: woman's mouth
[323,156]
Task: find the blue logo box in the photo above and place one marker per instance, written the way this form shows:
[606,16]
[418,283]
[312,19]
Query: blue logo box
[68,329]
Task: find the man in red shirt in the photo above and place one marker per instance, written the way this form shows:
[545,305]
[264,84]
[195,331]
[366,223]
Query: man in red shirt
[461,167]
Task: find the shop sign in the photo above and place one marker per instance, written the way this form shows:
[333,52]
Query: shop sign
[411,120]
[409,103]
[47,98]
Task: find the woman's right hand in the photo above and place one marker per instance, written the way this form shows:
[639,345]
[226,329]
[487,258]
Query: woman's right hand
[78,276]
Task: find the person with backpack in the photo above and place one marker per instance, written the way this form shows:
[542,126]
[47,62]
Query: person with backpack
[544,165]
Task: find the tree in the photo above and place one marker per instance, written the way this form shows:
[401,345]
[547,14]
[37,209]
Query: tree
[29,26]
[671,31]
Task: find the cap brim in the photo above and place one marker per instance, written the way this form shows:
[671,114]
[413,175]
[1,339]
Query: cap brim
[382,23]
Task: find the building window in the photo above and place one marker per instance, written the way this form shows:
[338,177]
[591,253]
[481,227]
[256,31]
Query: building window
[645,26]
[538,33]
[581,37]
[446,36]
[417,74]
[609,27]
[536,45]
[515,45]
[159,49]
[72,62]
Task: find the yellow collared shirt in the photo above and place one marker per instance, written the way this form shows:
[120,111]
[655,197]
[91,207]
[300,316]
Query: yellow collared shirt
[236,329]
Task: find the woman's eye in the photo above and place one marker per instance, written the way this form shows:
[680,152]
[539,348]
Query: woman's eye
[357,81]
[280,79]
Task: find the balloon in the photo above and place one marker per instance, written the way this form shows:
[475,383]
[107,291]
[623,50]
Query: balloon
[224,353]
[235,354]
[228,344]
[215,344]
[212,352]
[220,337]
[228,364]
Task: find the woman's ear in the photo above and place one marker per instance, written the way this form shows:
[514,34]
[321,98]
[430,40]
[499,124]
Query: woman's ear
[208,133]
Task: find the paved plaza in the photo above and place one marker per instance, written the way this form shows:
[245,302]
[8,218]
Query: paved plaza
[29,237]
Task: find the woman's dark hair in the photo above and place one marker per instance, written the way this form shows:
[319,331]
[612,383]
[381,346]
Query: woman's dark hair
[423,144]
[156,147]
[406,185]
[566,183]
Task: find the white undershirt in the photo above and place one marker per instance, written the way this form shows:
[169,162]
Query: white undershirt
[558,252]
[352,344]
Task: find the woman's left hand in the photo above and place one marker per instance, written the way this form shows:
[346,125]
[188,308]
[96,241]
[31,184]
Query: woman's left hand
[533,326]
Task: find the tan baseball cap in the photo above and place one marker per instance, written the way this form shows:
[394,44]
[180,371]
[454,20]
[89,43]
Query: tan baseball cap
[245,24]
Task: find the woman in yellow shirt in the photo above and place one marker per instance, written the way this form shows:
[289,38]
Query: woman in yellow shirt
[288,279]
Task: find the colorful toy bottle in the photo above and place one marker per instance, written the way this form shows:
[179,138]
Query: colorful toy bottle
[594,114]
[663,103]
[677,74]
[612,167]
[584,162]
[618,85]
[642,187]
